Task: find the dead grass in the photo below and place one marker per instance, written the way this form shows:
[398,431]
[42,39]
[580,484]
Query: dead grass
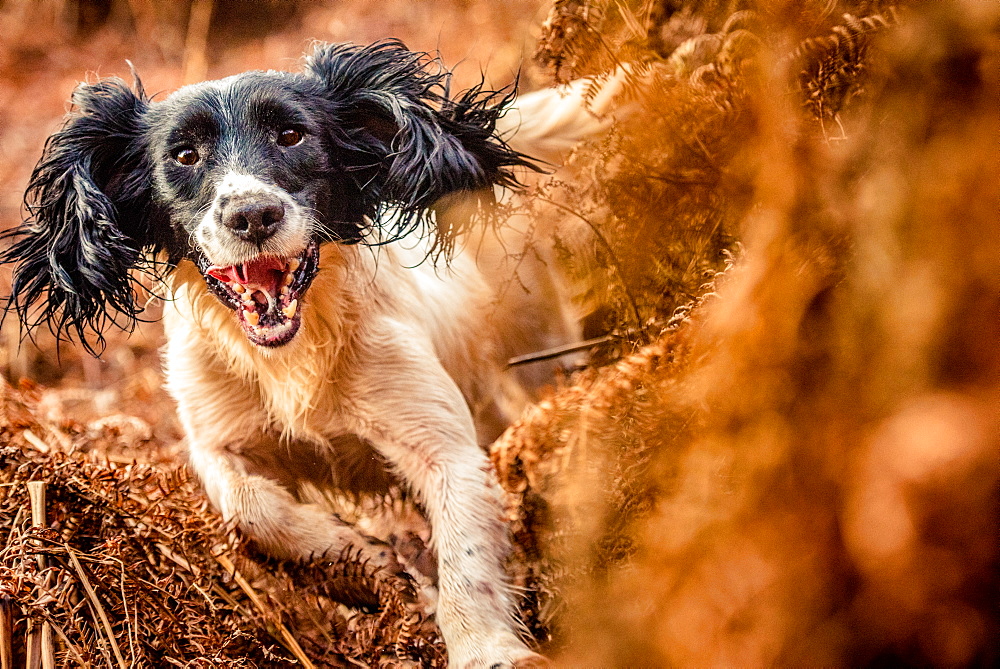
[791,456]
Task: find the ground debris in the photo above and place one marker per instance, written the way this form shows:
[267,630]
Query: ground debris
[136,570]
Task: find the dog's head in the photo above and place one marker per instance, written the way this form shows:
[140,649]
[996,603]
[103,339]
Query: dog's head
[246,177]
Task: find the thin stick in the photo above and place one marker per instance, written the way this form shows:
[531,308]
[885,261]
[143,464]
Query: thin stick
[174,557]
[70,647]
[96,603]
[32,439]
[41,652]
[6,632]
[33,647]
[286,636]
[131,630]
[36,497]
[48,650]
[557,351]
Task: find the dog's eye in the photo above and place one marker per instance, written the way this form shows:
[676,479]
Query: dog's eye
[186,155]
[289,137]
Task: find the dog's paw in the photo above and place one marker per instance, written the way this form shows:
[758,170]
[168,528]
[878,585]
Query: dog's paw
[528,660]
[512,655]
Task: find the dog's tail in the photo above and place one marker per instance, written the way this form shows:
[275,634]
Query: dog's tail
[548,123]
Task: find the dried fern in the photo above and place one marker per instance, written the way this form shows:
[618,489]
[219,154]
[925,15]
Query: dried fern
[173,584]
[833,66]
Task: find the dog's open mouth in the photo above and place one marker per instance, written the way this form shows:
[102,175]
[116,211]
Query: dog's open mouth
[266,293]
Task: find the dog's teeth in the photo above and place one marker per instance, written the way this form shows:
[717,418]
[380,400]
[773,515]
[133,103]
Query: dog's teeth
[293,265]
[252,317]
[289,310]
[289,278]
[267,296]
[238,287]
[284,291]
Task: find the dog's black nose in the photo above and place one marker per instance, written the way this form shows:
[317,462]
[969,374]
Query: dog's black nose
[253,220]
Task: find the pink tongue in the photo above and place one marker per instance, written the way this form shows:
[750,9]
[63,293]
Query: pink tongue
[263,271]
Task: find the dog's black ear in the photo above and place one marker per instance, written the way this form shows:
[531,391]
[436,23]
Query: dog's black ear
[391,107]
[88,209]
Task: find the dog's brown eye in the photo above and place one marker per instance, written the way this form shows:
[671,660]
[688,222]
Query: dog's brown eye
[186,156]
[289,137]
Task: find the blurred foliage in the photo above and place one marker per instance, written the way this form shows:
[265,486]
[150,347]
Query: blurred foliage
[664,195]
[803,466]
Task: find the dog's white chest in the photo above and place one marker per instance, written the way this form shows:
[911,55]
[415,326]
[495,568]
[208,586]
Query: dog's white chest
[302,401]
[209,362]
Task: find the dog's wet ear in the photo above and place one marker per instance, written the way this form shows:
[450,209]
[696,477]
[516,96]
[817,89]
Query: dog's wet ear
[89,207]
[415,144]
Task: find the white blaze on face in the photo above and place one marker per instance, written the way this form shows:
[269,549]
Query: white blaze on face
[222,247]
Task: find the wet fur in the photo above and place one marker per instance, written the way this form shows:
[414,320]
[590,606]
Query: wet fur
[397,371]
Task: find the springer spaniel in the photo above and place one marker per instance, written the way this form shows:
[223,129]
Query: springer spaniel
[309,346]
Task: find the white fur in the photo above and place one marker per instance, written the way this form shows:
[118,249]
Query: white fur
[397,362]
[223,248]
[387,354]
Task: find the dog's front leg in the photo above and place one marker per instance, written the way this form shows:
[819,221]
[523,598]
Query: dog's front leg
[228,437]
[408,407]
[271,516]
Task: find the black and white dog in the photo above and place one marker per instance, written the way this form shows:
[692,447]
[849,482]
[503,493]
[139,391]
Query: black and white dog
[309,347]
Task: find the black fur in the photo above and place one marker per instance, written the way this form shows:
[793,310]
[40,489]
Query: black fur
[423,144]
[89,218]
[107,197]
